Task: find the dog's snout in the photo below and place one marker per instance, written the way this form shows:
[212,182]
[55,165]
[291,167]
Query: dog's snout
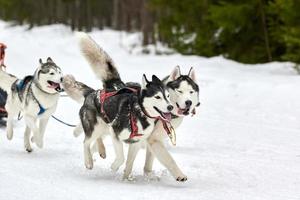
[61,79]
[188,103]
[170,108]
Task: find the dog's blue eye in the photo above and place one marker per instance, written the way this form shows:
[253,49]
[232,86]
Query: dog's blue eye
[157,97]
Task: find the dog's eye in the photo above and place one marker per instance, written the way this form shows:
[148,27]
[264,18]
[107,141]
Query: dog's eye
[191,92]
[51,73]
[179,91]
[168,96]
[157,97]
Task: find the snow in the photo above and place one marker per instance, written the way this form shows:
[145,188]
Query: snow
[244,142]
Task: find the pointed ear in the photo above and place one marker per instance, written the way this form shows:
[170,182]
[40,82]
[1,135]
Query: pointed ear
[155,79]
[40,60]
[144,82]
[49,60]
[192,74]
[175,73]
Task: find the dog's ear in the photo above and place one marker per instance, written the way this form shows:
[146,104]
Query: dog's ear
[192,74]
[49,60]
[175,73]
[144,82]
[155,79]
[40,60]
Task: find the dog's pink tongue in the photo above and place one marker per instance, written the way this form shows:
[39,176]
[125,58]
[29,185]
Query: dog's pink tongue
[168,116]
[54,85]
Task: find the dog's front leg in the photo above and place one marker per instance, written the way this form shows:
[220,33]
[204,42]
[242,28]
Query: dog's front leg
[148,161]
[39,140]
[119,160]
[161,153]
[31,123]
[27,140]
[132,152]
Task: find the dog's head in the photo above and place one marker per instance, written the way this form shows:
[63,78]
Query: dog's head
[156,98]
[49,77]
[184,91]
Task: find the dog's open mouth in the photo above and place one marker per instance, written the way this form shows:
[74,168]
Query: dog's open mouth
[165,116]
[184,111]
[54,85]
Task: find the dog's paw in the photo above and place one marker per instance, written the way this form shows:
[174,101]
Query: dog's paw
[39,143]
[115,166]
[102,155]
[129,178]
[89,164]
[181,178]
[9,135]
[151,176]
[28,149]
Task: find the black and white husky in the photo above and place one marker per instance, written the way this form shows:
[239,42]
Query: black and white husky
[35,97]
[184,95]
[129,115]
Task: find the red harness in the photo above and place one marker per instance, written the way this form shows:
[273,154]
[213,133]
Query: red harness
[133,121]
[2,54]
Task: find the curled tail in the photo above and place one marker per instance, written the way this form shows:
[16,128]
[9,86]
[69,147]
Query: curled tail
[6,81]
[75,89]
[100,62]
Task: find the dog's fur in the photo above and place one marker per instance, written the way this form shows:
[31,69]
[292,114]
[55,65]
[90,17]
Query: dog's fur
[152,100]
[184,94]
[35,97]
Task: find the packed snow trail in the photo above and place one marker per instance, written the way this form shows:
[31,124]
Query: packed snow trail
[244,142]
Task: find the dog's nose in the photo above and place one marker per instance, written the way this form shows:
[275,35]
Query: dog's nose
[188,103]
[61,79]
[170,108]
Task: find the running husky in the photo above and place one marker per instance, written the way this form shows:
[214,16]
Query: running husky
[184,94]
[35,97]
[129,115]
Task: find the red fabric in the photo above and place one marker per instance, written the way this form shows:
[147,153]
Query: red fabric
[2,109]
[133,122]
[2,53]
[134,127]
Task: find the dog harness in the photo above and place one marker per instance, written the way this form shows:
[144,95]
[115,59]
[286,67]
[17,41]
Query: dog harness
[2,54]
[104,95]
[21,86]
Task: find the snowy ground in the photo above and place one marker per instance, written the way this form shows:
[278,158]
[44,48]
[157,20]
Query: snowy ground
[244,142]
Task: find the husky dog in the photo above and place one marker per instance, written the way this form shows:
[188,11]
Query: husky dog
[184,95]
[35,97]
[128,115]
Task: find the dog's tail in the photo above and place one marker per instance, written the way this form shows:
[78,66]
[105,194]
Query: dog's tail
[6,81]
[100,62]
[75,89]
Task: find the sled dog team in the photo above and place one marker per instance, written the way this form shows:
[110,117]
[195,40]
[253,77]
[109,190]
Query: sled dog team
[137,114]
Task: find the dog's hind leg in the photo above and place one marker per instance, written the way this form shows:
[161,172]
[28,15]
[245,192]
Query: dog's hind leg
[39,140]
[132,153]
[11,113]
[27,140]
[78,130]
[88,158]
[148,162]
[119,160]
[101,148]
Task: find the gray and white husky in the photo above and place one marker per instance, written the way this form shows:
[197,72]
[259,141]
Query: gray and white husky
[129,115]
[35,97]
[184,95]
